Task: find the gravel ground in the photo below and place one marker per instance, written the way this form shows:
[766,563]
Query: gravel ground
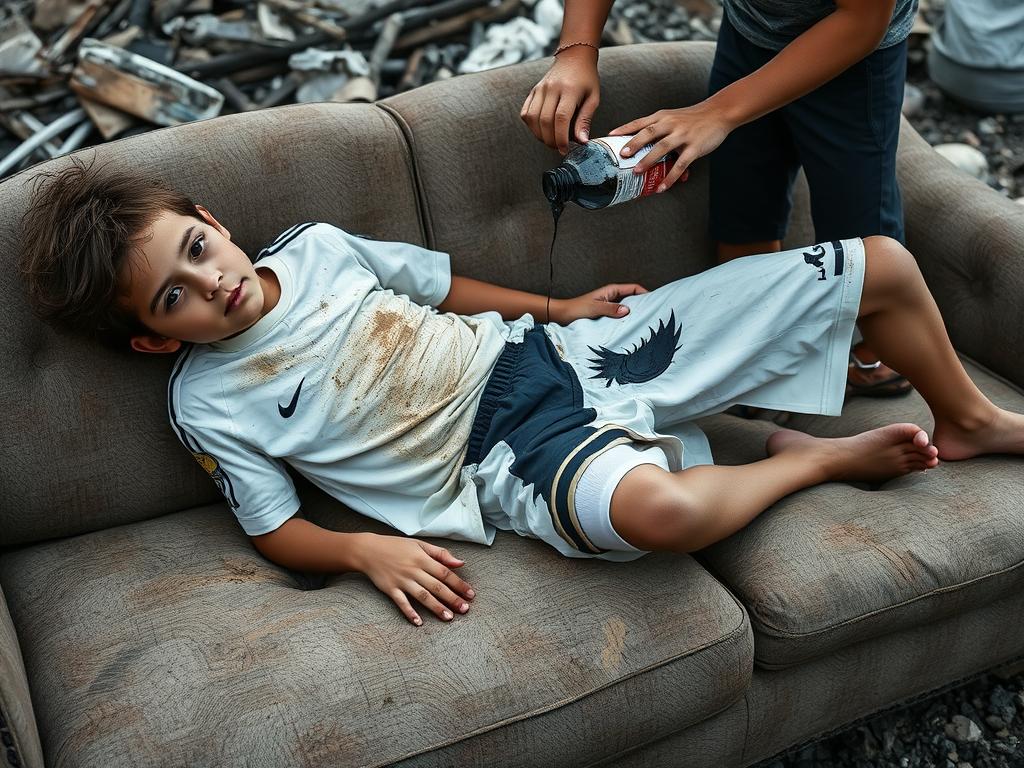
[979,724]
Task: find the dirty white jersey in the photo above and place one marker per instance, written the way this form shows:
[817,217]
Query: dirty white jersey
[353,379]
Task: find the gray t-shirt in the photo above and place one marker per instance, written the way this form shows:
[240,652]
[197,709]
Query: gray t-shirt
[774,24]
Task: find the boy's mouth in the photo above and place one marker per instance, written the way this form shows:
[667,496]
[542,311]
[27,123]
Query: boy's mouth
[234,298]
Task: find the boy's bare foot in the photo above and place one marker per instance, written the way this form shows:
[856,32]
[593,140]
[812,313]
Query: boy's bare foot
[998,432]
[874,456]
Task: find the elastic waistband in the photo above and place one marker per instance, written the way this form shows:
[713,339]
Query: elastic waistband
[497,387]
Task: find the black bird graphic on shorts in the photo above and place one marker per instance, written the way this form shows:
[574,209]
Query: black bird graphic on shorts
[644,362]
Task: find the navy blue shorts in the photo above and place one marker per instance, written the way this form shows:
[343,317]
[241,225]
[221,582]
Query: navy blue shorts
[844,134]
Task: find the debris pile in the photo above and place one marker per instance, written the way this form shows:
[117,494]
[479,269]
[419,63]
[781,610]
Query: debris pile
[77,72]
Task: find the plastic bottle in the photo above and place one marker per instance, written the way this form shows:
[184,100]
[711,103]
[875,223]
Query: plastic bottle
[594,175]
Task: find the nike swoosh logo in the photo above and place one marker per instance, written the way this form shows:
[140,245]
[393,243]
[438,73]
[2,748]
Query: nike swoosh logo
[287,412]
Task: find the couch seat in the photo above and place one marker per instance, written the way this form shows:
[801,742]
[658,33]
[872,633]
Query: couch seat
[837,564]
[173,641]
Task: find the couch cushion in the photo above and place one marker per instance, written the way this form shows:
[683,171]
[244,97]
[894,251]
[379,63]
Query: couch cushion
[173,642]
[836,564]
[480,170]
[86,438]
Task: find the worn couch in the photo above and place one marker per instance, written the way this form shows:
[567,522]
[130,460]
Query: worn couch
[140,627]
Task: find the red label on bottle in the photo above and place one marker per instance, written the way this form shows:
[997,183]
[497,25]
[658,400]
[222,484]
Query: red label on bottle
[653,176]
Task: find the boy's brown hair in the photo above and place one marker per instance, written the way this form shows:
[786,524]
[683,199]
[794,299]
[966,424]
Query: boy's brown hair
[84,221]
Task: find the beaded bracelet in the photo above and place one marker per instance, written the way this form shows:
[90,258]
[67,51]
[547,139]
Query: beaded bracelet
[561,48]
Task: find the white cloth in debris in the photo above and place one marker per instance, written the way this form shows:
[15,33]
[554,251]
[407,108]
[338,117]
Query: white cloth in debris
[520,39]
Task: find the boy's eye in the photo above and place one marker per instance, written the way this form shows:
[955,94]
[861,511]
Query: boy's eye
[172,297]
[197,247]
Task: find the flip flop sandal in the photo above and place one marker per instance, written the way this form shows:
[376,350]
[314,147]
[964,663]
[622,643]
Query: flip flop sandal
[894,386]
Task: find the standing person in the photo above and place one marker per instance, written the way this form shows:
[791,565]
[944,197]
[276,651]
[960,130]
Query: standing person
[812,83]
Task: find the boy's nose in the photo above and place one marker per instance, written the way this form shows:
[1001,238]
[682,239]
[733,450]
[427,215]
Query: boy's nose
[210,280]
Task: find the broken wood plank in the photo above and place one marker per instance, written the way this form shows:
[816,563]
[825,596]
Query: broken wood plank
[141,87]
[109,122]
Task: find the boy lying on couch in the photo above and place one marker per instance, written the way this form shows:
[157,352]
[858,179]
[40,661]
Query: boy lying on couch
[440,406]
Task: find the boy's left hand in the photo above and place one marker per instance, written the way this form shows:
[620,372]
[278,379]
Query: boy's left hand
[602,302]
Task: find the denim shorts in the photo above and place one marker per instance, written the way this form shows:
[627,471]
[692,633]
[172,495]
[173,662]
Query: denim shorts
[844,134]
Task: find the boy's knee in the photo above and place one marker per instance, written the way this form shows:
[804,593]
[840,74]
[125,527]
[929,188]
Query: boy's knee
[889,265]
[657,514]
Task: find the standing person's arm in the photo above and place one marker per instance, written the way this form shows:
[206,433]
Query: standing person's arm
[572,83]
[831,46]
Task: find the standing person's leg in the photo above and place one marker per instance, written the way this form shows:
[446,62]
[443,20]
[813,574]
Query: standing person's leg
[751,173]
[846,134]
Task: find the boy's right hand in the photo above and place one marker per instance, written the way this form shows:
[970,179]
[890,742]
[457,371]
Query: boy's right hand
[571,83]
[402,568]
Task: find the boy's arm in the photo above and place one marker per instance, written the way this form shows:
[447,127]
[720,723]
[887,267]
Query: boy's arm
[399,567]
[831,46]
[468,297]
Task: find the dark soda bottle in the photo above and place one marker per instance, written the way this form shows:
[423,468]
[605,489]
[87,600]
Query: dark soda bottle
[594,175]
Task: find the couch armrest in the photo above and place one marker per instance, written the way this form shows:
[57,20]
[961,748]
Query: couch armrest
[969,243]
[19,736]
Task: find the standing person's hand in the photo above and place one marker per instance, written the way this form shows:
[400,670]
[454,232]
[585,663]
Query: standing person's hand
[570,87]
[692,132]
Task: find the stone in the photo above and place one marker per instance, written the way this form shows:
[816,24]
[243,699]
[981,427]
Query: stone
[913,100]
[967,159]
[988,126]
[963,729]
[971,138]
[995,723]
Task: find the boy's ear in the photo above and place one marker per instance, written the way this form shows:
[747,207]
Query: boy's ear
[157,344]
[208,218]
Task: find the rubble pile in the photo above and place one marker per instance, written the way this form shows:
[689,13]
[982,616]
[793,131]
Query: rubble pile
[77,72]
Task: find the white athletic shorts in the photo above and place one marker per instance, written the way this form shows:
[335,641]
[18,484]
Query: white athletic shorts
[769,331]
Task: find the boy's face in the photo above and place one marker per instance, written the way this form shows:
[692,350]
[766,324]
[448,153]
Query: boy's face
[188,282]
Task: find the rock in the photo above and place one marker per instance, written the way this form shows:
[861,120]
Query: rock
[913,100]
[971,138]
[701,29]
[963,729]
[995,723]
[1020,200]
[967,159]
[1000,700]
[988,126]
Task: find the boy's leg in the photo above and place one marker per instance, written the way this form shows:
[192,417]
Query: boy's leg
[685,511]
[902,323]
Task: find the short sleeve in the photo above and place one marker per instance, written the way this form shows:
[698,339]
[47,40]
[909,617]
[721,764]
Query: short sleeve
[256,487]
[419,273]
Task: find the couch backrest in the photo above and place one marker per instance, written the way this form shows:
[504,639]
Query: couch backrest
[86,442]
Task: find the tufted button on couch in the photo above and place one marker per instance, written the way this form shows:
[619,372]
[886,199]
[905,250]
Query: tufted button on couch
[139,626]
